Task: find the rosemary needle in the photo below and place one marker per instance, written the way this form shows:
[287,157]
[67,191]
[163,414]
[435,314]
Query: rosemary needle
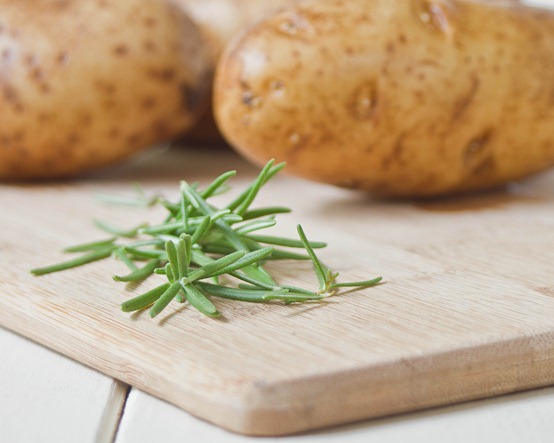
[91,246]
[144,300]
[79,261]
[115,230]
[165,298]
[318,266]
[139,273]
[264,212]
[197,244]
[354,284]
[288,242]
[200,301]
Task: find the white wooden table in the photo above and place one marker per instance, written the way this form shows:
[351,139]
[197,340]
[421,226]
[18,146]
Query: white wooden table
[46,397]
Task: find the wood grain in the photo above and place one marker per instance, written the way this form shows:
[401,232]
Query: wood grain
[466,311]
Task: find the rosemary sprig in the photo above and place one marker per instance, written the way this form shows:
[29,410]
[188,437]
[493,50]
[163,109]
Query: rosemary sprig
[197,244]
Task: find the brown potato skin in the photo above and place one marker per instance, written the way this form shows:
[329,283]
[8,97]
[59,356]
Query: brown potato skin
[407,98]
[220,21]
[84,84]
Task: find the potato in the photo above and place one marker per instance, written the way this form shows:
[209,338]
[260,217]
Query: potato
[220,21]
[86,83]
[407,98]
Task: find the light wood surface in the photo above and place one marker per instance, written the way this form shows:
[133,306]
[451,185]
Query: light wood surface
[466,311]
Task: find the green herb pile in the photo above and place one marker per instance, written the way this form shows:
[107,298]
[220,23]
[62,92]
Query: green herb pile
[203,252]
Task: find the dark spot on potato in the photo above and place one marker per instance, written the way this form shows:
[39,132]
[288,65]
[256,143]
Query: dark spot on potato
[108,104]
[476,146]
[149,46]
[390,48]
[60,4]
[12,97]
[402,38]
[486,167]
[114,132]
[121,50]
[150,22]
[62,58]
[462,104]
[364,101]
[396,153]
[477,157]
[105,87]
[31,60]
[148,103]
[250,99]
[36,74]
[26,150]
[84,118]
[18,136]
[161,129]
[162,74]
[73,137]
[133,139]
[420,96]
[10,94]
[44,88]
[177,46]
[7,142]
[365,18]
[6,54]
[193,97]
[44,117]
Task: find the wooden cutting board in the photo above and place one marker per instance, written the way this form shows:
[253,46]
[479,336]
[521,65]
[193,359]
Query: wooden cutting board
[467,310]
